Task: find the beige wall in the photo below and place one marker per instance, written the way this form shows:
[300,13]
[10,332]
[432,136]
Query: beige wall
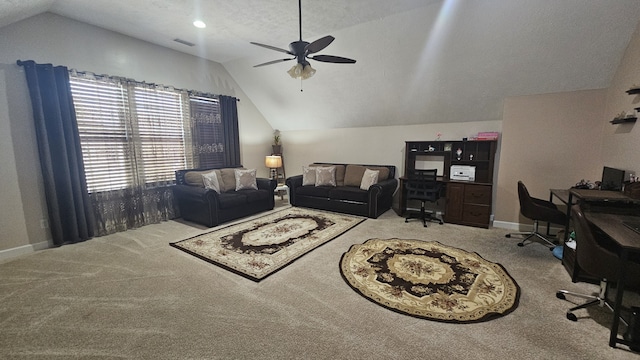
[548,141]
[621,143]
[49,38]
[555,140]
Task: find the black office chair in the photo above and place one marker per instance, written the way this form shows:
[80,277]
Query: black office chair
[422,185]
[537,210]
[596,255]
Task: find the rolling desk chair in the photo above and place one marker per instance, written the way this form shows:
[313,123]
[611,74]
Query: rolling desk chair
[422,185]
[537,210]
[598,259]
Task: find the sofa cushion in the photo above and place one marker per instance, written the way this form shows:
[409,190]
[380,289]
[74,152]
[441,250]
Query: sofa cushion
[349,193]
[369,178]
[210,181]
[308,175]
[246,179]
[194,178]
[339,172]
[228,177]
[231,199]
[325,176]
[254,195]
[353,174]
[317,191]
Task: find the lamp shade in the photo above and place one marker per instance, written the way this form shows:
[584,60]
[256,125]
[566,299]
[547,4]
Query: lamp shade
[273,161]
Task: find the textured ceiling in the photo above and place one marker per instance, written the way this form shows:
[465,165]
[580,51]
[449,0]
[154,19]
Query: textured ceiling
[418,61]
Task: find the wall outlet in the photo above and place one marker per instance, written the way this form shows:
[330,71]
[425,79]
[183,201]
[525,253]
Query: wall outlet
[44,223]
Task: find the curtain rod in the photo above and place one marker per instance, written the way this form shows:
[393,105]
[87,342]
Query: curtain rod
[190,92]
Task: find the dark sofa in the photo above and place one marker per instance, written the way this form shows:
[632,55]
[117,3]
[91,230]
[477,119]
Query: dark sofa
[207,207]
[346,196]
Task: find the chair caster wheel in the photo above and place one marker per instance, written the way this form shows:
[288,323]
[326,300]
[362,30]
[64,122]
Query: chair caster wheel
[560,295]
[520,244]
[508,236]
[572,317]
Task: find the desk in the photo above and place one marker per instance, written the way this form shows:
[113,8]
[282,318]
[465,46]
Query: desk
[629,242]
[466,202]
[603,197]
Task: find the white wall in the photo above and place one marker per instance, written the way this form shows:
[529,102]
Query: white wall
[49,38]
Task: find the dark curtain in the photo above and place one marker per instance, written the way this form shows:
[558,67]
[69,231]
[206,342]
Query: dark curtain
[70,216]
[229,112]
[207,132]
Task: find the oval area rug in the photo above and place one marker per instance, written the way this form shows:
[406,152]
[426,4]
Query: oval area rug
[429,280]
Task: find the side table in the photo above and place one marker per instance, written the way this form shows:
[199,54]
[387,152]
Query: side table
[282,189]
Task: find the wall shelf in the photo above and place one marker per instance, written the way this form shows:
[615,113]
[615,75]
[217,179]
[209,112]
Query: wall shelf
[624,120]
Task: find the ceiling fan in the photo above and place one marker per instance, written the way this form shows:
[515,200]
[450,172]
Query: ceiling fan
[302,50]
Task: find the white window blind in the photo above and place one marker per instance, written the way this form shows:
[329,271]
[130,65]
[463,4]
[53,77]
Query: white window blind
[130,135]
[160,120]
[101,111]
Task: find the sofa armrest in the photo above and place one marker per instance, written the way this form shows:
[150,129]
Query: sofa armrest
[188,193]
[385,188]
[293,183]
[381,195]
[267,184]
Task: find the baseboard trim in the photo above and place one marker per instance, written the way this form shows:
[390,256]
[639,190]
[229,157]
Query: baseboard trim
[524,227]
[511,225]
[22,250]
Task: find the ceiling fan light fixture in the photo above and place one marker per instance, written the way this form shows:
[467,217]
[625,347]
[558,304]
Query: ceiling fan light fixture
[295,71]
[299,71]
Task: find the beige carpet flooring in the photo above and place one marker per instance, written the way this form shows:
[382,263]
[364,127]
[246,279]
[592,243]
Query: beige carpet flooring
[130,295]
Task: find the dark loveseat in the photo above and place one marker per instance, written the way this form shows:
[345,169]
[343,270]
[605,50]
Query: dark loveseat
[346,196]
[207,207]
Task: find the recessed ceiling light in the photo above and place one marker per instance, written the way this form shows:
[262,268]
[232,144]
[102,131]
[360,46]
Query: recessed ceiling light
[199,24]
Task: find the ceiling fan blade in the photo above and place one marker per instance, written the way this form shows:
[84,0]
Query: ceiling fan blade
[272,48]
[319,44]
[272,62]
[333,59]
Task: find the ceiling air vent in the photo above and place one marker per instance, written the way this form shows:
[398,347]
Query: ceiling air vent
[184,42]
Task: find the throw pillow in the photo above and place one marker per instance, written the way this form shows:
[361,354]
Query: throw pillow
[194,178]
[340,168]
[246,179]
[325,176]
[308,176]
[369,178]
[354,173]
[228,179]
[210,181]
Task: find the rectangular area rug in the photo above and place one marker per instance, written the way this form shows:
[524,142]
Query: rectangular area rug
[259,247]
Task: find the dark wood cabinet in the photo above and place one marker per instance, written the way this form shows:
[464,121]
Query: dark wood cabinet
[467,202]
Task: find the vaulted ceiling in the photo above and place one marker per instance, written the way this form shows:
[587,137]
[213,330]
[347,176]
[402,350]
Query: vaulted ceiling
[418,61]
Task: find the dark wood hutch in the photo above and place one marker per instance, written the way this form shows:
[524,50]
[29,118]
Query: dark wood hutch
[467,202]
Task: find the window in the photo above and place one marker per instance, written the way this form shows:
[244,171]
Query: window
[208,131]
[160,123]
[130,134]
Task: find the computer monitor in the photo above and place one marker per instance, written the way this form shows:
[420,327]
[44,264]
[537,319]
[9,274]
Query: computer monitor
[612,179]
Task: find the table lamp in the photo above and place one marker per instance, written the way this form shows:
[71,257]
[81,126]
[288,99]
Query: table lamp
[273,162]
